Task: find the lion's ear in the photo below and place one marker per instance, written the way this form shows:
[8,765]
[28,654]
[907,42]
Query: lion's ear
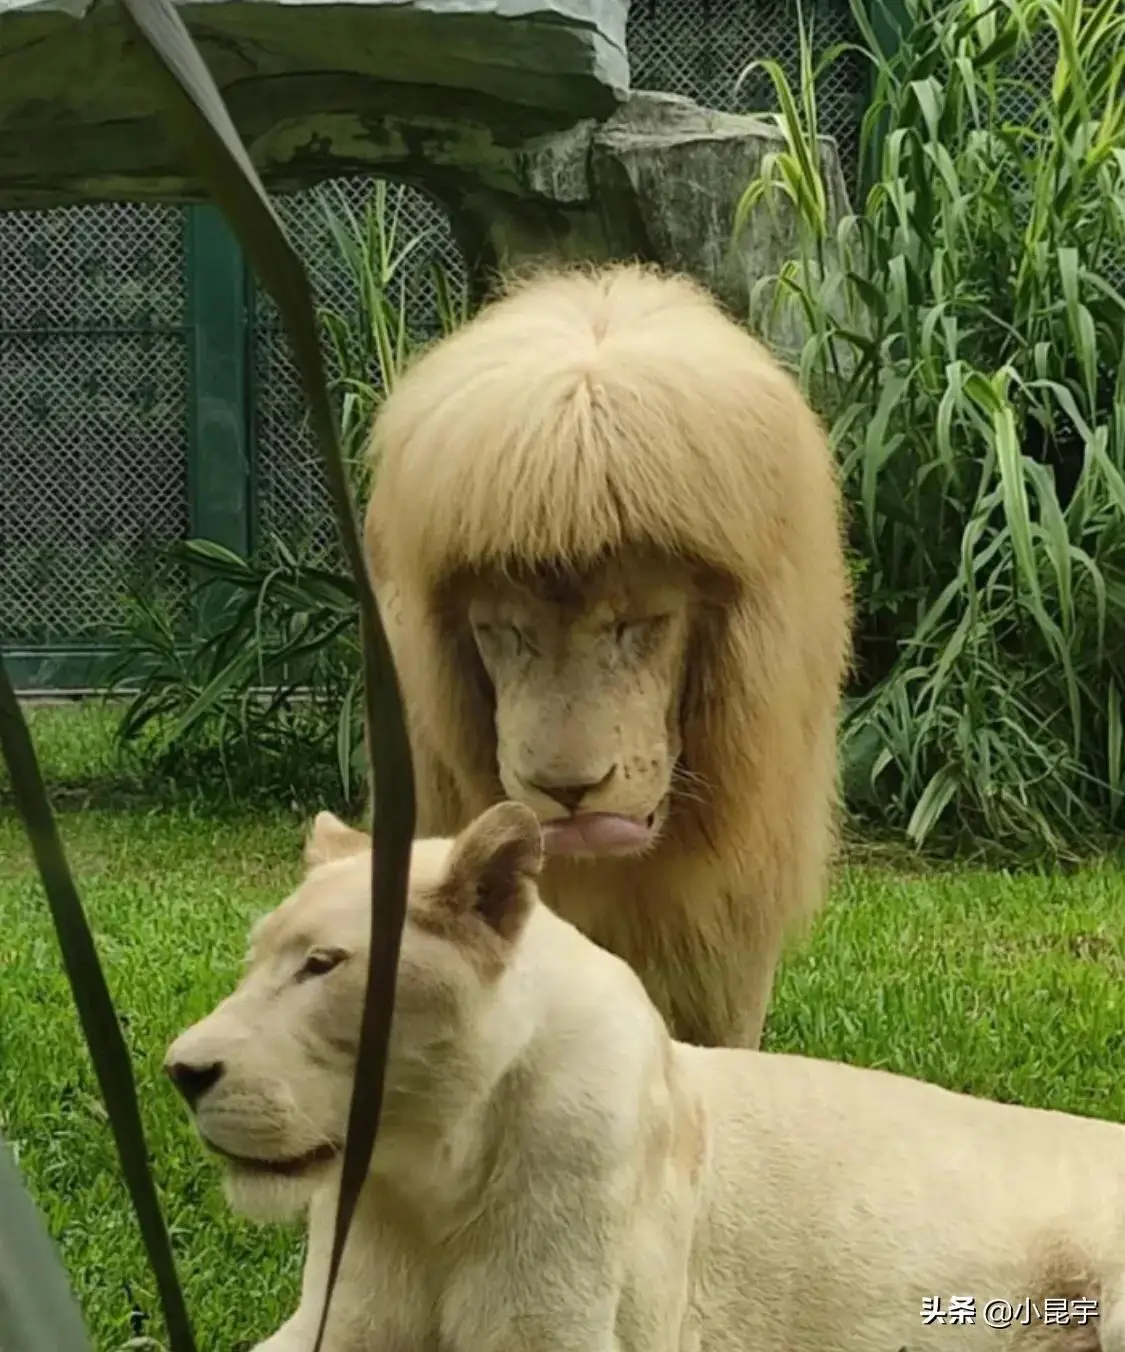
[493,867]
[330,838]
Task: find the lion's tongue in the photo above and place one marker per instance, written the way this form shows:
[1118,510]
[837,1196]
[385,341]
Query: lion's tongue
[594,833]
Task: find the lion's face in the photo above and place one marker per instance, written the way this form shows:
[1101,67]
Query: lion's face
[268,1072]
[587,675]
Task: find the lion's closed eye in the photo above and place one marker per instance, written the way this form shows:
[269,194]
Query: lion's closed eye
[641,628]
[320,961]
[509,638]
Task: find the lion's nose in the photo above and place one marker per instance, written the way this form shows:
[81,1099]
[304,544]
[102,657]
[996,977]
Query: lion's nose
[193,1081]
[568,793]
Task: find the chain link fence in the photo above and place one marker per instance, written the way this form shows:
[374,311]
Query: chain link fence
[701,47]
[93,391]
[291,495]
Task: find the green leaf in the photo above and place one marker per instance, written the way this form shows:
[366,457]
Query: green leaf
[37,1308]
[932,804]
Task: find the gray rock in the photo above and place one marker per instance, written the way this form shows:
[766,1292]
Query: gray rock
[316,89]
[515,114]
[660,179]
[673,173]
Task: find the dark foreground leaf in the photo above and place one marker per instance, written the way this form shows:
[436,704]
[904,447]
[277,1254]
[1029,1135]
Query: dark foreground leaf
[95,1009]
[199,118]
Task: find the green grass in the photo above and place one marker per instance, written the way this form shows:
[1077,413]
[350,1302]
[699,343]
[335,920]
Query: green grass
[76,745]
[1002,985]
[170,899]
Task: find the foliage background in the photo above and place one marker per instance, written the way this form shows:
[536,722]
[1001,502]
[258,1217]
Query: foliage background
[964,338]
[965,333]
[249,688]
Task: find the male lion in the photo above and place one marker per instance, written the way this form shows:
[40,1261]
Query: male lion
[554,1174]
[605,533]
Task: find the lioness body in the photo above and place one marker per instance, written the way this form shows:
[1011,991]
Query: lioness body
[605,532]
[840,1200]
[832,1202]
[555,1174]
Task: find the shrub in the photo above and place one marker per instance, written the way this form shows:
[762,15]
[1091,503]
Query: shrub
[252,687]
[963,330]
[247,680]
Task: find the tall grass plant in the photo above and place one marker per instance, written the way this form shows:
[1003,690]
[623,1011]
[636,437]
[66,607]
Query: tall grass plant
[963,331]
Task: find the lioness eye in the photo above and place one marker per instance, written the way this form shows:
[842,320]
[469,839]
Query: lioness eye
[320,961]
[491,634]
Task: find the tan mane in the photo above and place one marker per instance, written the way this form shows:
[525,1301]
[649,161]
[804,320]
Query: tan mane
[590,413]
[580,418]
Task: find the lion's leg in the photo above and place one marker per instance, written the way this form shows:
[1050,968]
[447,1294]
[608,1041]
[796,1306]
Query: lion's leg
[726,1000]
[758,974]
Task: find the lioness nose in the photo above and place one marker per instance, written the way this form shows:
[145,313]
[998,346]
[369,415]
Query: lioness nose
[193,1081]
[569,794]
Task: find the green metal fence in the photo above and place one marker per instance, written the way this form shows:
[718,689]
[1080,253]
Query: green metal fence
[146,395]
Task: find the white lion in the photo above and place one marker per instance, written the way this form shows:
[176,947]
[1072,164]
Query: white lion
[555,1174]
[606,534]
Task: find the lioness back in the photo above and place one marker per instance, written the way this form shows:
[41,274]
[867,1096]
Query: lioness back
[865,1194]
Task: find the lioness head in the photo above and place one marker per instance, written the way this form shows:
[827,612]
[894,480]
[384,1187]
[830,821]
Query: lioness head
[268,1073]
[587,676]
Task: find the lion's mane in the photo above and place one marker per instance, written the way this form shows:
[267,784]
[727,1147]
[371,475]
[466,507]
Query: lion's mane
[590,412]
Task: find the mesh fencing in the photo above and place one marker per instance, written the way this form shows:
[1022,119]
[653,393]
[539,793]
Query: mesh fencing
[93,431]
[701,47]
[291,494]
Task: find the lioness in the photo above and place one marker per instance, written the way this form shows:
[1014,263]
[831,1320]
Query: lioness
[555,1174]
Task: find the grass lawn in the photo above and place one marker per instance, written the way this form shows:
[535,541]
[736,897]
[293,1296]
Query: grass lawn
[1007,986]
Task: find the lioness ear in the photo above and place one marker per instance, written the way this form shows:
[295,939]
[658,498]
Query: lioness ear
[493,867]
[330,838]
